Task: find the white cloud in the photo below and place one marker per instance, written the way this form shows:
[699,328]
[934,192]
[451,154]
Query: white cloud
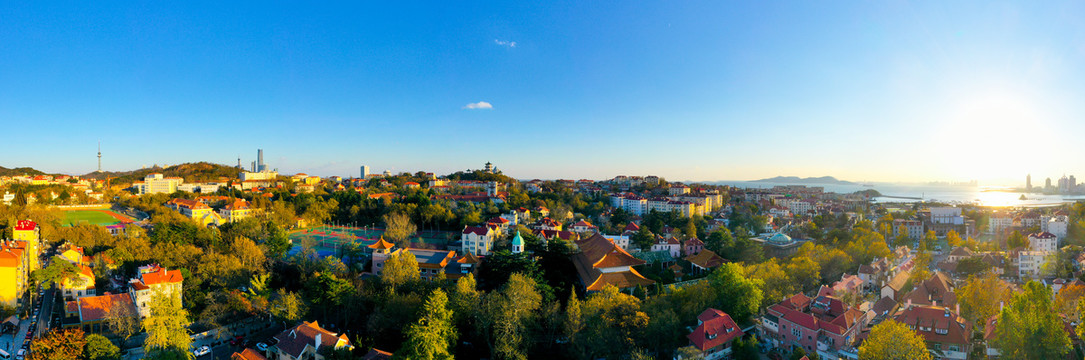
[510,44]
[478,105]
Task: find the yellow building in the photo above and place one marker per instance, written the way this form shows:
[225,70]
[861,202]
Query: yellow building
[235,211]
[28,231]
[81,285]
[72,253]
[154,279]
[13,273]
[195,210]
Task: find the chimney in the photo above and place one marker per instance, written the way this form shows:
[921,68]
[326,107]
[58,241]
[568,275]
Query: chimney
[957,308]
[1000,304]
[909,304]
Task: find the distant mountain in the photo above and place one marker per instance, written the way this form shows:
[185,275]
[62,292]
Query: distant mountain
[19,171]
[191,172]
[824,180]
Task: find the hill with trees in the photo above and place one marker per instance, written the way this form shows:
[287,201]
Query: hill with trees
[20,171]
[191,172]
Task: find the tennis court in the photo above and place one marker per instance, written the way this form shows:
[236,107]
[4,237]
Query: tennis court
[328,239]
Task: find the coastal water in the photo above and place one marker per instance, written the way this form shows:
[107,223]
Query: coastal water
[956,194]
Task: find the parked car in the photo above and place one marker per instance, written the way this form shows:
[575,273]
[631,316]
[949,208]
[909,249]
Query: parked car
[238,340]
[261,346]
[21,354]
[201,351]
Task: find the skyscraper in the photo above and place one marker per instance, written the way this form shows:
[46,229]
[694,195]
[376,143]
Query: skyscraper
[1028,182]
[365,171]
[260,167]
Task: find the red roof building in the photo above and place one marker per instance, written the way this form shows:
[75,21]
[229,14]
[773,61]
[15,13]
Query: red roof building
[600,263]
[714,334]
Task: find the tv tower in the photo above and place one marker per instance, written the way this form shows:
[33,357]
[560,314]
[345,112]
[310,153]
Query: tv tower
[99,156]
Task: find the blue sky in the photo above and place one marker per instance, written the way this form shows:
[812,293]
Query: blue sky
[687,90]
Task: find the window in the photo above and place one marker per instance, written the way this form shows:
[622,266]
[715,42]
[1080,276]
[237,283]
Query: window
[954,348]
[796,333]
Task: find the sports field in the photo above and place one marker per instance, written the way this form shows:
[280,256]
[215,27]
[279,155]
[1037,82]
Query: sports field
[94,217]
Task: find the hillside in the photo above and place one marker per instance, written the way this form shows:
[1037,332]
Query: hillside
[19,171]
[191,172]
[809,180]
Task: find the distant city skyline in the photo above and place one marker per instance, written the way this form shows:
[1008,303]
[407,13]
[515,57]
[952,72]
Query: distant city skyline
[703,91]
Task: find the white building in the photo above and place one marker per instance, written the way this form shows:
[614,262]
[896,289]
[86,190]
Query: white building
[1056,225]
[477,240]
[1044,241]
[158,184]
[947,215]
[999,221]
[1031,263]
[262,175]
[621,240]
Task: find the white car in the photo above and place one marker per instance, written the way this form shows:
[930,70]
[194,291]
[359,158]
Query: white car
[203,350]
[261,346]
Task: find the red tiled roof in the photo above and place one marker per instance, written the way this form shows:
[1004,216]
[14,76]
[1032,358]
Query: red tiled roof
[23,225]
[161,276]
[937,317]
[94,308]
[716,328]
[247,354]
[293,341]
[477,230]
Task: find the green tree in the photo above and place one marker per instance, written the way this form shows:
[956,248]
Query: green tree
[737,294]
[891,340]
[167,327]
[1029,328]
[58,344]
[980,296]
[903,237]
[777,283]
[718,241]
[804,271]
[509,311]
[573,323]
[643,239]
[613,323]
[1016,240]
[433,336]
[745,348]
[286,306]
[400,268]
[928,240]
[953,239]
[398,228]
[100,348]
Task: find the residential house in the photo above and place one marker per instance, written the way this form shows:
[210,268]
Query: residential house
[477,240]
[823,324]
[584,226]
[705,260]
[247,354]
[934,291]
[305,342]
[152,280]
[235,211]
[81,284]
[669,244]
[945,332]
[714,334]
[692,246]
[195,210]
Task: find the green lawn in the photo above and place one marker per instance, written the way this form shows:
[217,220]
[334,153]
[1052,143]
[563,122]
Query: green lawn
[92,217]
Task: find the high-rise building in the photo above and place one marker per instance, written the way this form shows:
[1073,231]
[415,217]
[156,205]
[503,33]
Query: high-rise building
[365,171]
[1047,184]
[1028,182]
[260,166]
[1073,184]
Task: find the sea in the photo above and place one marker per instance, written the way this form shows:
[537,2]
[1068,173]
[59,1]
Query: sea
[944,193]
